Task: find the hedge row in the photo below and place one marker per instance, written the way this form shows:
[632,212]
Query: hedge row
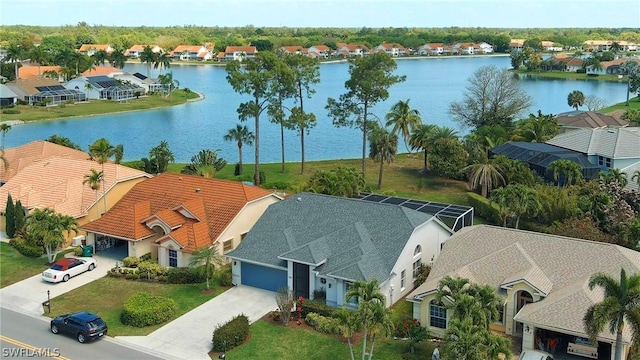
[484,208]
[231,334]
[323,324]
[26,249]
[143,309]
[320,308]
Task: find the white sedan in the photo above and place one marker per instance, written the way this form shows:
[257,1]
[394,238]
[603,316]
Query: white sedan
[67,268]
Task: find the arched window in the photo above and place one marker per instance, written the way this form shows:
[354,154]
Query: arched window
[418,250]
[437,315]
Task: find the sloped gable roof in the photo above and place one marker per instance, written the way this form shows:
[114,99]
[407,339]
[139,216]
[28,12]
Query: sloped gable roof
[36,151]
[589,119]
[560,266]
[244,49]
[344,238]
[56,183]
[615,143]
[35,71]
[210,205]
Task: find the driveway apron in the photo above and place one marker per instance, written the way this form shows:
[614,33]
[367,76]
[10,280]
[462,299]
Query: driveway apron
[189,336]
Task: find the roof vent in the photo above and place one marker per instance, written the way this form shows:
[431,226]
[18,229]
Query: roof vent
[298,199]
[197,190]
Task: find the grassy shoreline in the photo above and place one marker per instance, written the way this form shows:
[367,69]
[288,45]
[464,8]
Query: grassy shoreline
[561,75]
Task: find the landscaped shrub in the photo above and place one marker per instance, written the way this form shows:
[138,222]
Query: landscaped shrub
[146,257]
[224,275]
[243,178]
[275,316]
[317,307]
[144,309]
[77,251]
[319,295]
[25,249]
[11,111]
[130,261]
[149,270]
[484,208]
[21,102]
[231,334]
[279,185]
[184,275]
[262,177]
[323,324]
[236,170]
[132,276]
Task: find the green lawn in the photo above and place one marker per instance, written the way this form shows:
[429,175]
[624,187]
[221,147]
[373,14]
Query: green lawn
[98,107]
[15,267]
[634,103]
[106,297]
[273,341]
[570,75]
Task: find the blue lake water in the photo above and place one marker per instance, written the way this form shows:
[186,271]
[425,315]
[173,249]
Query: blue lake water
[431,85]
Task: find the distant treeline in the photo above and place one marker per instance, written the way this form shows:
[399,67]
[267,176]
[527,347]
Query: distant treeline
[170,37]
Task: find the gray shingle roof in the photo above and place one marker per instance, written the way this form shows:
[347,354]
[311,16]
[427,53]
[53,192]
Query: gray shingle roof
[6,93]
[615,143]
[560,266]
[347,238]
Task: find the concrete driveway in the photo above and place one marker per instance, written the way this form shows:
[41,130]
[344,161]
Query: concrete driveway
[26,296]
[189,336]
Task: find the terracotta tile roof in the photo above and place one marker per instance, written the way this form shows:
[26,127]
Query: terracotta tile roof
[546,43]
[202,208]
[31,71]
[293,49]
[102,70]
[246,49]
[28,86]
[321,47]
[35,151]
[189,48]
[97,47]
[568,60]
[589,119]
[220,55]
[140,47]
[618,62]
[56,183]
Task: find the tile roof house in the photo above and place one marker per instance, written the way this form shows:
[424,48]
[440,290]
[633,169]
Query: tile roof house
[36,151]
[392,49]
[191,52]
[7,97]
[135,50]
[569,63]
[105,87]
[293,49]
[38,89]
[313,242]
[516,44]
[588,119]
[434,49]
[90,49]
[57,183]
[239,52]
[173,215]
[550,46]
[319,51]
[103,70]
[353,50]
[35,71]
[542,278]
[486,47]
[609,148]
[612,67]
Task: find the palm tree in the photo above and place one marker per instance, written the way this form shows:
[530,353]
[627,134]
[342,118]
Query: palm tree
[118,153]
[614,175]
[162,60]
[101,150]
[371,308]
[88,87]
[15,53]
[629,68]
[161,156]
[420,139]
[100,57]
[348,325]
[4,129]
[621,303]
[241,135]
[205,163]
[636,178]
[484,174]
[39,55]
[209,257]
[94,178]
[575,99]
[404,120]
[537,129]
[383,146]
[149,57]
[50,227]
[117,58]
[571,171]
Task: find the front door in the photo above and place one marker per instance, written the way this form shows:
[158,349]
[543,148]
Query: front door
[301,280]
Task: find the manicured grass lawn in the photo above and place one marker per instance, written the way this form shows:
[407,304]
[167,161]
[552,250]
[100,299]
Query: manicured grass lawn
[634,103]
[402,178]
[15,267]
[571,75]
[106,297]
[98,107]
[272,341]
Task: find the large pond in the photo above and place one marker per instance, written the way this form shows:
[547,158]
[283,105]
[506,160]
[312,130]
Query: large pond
[432,84]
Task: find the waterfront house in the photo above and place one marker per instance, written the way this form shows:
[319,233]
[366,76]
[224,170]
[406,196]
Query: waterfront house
[486,47]
[391,49]
[91,49]
[239,52]
[109,71]
[44,91]
[293,50]
[135,50]
[550,46]
[104,87]
[56,182]
[35,71]
[191,52]
[434,49]
[7,97]
[573,120]
[314,243]
[542,279]
[605,45]
[612,67]
[173,215]
[567,63]
[516,44]
[140,80]
[319,51]
[349,50]
[608,148]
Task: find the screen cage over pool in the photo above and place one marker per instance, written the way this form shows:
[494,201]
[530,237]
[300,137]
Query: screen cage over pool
[539,155]
[454,216]
[57,94]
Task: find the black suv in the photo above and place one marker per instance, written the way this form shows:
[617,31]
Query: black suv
[83,325]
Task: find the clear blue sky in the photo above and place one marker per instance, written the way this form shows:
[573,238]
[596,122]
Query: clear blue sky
[326,13]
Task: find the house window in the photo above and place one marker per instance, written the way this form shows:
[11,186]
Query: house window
[227,245]
[173,258]
[403,276]
[500,319]
[607,162]
[347,288]
[600,160]
[416,268]
[417,251]
[437,315]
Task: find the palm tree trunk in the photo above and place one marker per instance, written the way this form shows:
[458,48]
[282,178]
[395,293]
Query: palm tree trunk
[364,343]
[351,348]
[425,161]
[16,65]
[282,143]
[380,174]
[302,150]
[364,137]
[104,194]
[373,341]
[256,172]
[517,221]
[618,353]
[628,87]
[240,157]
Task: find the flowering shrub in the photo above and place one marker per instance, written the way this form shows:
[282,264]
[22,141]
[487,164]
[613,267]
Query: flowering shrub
[402,329]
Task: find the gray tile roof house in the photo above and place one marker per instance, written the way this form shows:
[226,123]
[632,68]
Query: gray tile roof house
[339,240]
[554,270]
